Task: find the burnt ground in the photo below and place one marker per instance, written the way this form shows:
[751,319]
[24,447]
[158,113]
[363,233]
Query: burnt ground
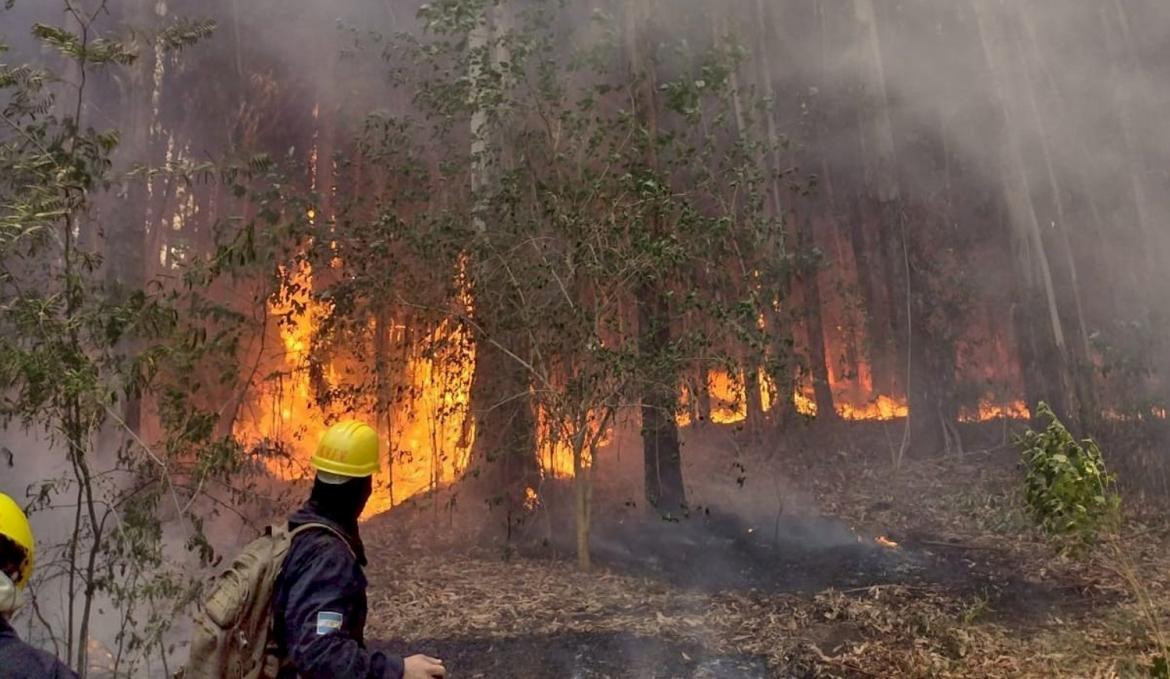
[584,655]
[970,590]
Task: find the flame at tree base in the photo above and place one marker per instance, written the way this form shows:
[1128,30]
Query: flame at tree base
[728,400]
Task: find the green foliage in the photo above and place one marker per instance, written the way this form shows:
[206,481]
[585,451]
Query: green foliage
[83,344]
[1067,488]
[1159,668]
[95,51]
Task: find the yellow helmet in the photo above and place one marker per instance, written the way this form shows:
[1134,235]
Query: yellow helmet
[348,448]
[14,526]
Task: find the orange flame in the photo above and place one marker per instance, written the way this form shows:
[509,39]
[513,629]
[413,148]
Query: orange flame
[429,436]
[728,402]
[805,404]
[989,410]
[556,446]
[881,407]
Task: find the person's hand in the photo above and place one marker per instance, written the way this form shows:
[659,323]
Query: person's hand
[422,667]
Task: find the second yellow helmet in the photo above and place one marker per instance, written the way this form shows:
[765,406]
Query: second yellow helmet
[348,448]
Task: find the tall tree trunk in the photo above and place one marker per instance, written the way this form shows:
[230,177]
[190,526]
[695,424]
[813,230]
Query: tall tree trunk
[504,454]
[581,491]
[1036,276]
[877,349]
[662,455]
[383,411]
[814,323]
[751,360]
[1082,351]
[882,179]
[783,371]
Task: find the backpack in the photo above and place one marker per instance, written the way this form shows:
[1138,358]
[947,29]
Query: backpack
[233,636]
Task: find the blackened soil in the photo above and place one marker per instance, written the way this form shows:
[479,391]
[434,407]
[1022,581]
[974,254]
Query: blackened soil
[583,656]
[805,555]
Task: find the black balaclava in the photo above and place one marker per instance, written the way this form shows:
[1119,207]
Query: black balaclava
[342,502]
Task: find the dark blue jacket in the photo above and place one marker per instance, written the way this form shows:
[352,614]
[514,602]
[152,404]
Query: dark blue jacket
[319,606]
[18,660]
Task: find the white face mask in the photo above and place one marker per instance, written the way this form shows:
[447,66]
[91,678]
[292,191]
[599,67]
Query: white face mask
[10,596]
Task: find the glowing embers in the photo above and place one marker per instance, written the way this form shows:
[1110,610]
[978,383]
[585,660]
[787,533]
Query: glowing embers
[884,541]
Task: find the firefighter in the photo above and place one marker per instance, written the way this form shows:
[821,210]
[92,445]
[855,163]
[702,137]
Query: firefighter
[18,660]
[319,600]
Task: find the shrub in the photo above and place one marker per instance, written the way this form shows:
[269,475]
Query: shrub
[1071,495]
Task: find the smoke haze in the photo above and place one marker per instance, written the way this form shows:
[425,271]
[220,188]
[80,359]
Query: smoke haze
[1041,125]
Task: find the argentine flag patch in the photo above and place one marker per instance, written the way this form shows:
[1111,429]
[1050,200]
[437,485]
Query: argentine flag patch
[328,622]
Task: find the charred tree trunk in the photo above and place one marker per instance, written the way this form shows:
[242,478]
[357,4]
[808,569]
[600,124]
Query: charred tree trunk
[505,443]
[703,391]
[814,323]
[660,445]
[752,394]
[878,346]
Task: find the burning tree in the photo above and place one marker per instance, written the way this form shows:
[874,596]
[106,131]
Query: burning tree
[560,205]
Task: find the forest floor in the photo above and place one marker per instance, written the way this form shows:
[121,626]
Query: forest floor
[970,591]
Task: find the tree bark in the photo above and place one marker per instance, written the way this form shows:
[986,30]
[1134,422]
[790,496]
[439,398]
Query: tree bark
[1039,299]
[881,180]
[504,455]
[783,363]
[814,323]
[662,456]
[1081,351]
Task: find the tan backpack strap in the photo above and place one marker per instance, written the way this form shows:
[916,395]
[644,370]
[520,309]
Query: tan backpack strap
[309,526]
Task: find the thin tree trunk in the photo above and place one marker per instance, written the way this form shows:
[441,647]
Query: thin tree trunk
[661,450]
[581,492]
[1086,391]
[782,321]
[882,180]
[822,391]
[877,348]
[751,363]
[382,410]
[1018,194]
[505,451]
